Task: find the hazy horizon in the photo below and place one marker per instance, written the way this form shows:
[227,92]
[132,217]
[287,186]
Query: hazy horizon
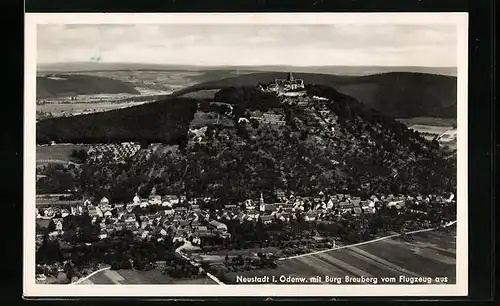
[232,65]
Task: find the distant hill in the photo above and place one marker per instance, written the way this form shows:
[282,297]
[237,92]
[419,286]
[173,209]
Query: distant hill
[62,85]
[337,70]
[397,94]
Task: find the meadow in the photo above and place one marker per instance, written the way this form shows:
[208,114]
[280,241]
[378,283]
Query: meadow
[131,277]
[58,152]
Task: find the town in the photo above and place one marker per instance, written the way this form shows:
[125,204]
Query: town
[185,222]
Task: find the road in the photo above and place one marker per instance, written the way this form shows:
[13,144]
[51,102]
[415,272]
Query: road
[90,275]
[188,244]
[59,161]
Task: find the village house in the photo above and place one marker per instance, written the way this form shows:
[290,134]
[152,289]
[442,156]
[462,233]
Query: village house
[166,204]
[104,201]
[311,216]
[330,204]
[345,207]
[65,212]
[195,207]
[92,211]
[145,234]
[59,224]
[249,204]
[230,207]
[172,199]
[196,240]
[155,200]
[218,225]
[285,217]
[130,218]
[267,219]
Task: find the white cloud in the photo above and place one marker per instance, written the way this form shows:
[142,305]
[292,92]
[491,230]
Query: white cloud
[346,44]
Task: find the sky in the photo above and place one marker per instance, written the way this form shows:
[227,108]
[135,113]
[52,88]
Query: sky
[251,44]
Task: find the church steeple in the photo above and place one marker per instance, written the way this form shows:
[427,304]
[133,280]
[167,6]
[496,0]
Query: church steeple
[262,206]
[290,77]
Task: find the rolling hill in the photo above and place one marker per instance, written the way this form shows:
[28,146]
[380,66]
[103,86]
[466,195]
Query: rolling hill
[61,85]
[339,145]
[397,94]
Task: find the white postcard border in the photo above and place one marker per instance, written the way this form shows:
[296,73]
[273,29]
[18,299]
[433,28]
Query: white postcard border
[31,289]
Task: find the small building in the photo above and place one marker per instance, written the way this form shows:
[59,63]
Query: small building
[104,201]
[267,219]
[218,225]
[356,202]
[173,199]
[155,200]
[166,204]
[163,232]
[311,216]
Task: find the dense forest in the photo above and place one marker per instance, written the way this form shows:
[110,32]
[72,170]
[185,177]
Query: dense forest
[368,153]
[165,121]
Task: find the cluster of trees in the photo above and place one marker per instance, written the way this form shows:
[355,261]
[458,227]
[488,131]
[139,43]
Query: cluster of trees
[57,178]
[240,264]
[247,97]
[80,155]
[122,251]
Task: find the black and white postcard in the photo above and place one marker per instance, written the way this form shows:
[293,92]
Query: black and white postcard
[176,155]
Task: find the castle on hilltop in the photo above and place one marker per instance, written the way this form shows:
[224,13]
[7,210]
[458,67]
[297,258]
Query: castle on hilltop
[285,85]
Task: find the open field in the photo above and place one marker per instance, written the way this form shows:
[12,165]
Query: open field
[431,254]
[60,152]
[57,109]
[130,277]
[446,122]
[430,128]
[202,94]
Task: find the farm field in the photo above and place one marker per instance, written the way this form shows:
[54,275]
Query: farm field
[430,254]
[433,129]
[57,109]
[131,277]
[445,122]
[58,152]
[202,94]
